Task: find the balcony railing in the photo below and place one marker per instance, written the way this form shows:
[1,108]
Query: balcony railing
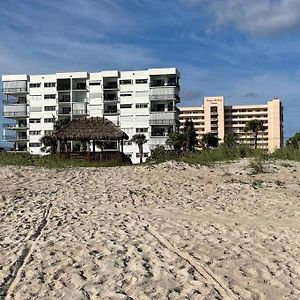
[111,112]
[109,99]
[156,141]
[110,86]
[80,112]
[163,83]
[12,114]
[163,118]
[80,87]
[14,90]
[164,93]
[9,138]
[14,127]
[14,101]
[63,87]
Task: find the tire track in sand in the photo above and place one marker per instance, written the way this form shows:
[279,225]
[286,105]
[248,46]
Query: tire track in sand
[10,282]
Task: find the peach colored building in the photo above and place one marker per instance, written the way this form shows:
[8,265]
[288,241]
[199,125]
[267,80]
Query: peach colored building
[216,117]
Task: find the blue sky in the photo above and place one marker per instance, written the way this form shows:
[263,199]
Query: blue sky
[247,51]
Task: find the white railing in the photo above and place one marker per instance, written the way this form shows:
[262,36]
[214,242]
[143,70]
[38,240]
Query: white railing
[162,118]
[164,93]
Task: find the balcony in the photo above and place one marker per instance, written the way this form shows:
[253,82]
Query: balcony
[17,111]
[156,141]
[14,90]
[113,98]
[15,101]
[110,85]
[111,112]
[13,139]
[163,118]
[80,112]
[79,85]
[65,110]
[15,127]
[164,93]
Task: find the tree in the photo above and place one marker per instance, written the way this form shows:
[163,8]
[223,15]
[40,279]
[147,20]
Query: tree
[49,140]
[294,141]
[210,140]
[190,135]
[176,141]
[140,140]
[230,139]
[60,123]
[255,126]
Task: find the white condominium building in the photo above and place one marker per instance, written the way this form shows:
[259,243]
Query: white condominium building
[216,117]
[142,101]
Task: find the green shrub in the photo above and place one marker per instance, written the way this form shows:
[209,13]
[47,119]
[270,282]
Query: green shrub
[49,161]
[258,166]
[287,153]
[160,154]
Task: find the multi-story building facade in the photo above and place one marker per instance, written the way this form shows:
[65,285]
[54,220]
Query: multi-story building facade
[142,101]
[216,117]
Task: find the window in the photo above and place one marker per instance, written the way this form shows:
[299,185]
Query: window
[128,130]
[48,132]
[141,93]
[125,105]
[50,108]
[127,81]
[35,109]
[126,95]
[140,130]
[35,97]
[144,154]
[34,85]
[127,143]
[50,96]
[95,83]
[129,155]
[49,120]
[34,144]
[140,81]
[49,84]
[141,105]
[34,132]
[34,120]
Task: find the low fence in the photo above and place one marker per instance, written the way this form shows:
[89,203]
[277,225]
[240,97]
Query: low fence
[99,156]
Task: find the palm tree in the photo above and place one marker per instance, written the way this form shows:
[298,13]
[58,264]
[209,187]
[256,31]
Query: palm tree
[140,140]
[210,140]
[255,126]
[176,140]
[230,139]
[294,141]
[190,135]
[49,141]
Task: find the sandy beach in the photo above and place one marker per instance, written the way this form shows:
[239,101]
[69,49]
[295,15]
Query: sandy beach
[168,231]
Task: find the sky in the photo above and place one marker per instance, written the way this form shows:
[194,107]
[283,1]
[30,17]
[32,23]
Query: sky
[247,51]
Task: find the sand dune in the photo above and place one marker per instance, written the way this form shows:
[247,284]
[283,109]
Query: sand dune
[168,231]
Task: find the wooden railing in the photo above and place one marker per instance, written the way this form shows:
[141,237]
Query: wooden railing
[99,156]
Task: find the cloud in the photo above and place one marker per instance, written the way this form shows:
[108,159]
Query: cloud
[251,95]
[261,17]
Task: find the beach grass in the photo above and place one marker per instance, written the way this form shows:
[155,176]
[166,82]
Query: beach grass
[49,161]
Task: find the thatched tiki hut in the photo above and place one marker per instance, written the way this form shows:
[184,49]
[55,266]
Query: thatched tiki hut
[97,130]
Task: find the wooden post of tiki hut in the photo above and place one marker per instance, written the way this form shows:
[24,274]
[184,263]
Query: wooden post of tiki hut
[92,129]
